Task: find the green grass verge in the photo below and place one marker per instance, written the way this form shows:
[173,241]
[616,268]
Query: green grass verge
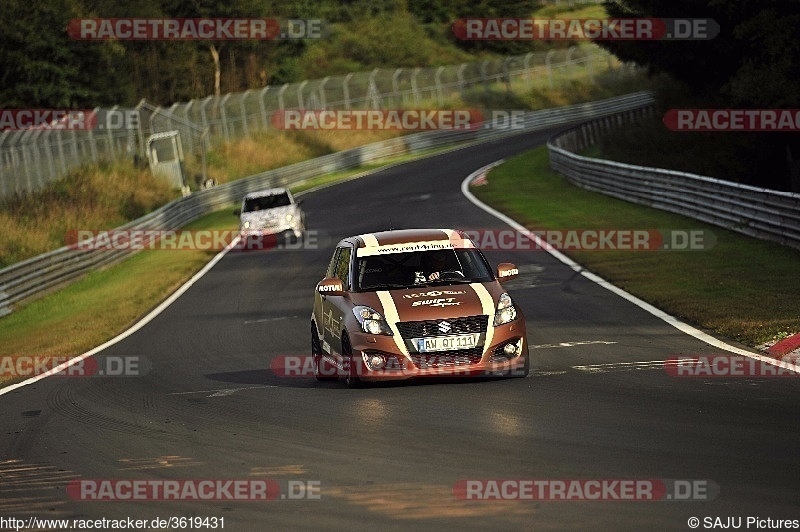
[741,288]
[104,302]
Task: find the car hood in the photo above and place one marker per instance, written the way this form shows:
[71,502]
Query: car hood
[432,303]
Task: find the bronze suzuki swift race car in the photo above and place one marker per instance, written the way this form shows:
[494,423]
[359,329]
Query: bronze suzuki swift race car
[414,303]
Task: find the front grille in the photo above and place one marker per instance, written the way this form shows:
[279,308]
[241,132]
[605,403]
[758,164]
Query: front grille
[421,329]
[447,359]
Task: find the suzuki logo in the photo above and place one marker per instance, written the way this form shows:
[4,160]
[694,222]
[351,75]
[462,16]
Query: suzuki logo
[444,327]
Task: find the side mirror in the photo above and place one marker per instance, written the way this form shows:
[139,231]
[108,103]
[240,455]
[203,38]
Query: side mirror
[506,271]
[299,202]
[237,212]
[331,286]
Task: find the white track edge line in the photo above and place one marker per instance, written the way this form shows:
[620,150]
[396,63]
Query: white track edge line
[175,295]
[180,291]
[671,320]
[135,327]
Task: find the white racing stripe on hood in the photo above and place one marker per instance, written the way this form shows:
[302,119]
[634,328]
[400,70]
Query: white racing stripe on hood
[391,316]
[488,308]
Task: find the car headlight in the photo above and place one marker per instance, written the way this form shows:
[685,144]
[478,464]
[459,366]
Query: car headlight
[289,217]
[246,225]
[505,310]
[371,321]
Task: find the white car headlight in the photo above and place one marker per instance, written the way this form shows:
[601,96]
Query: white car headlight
[289,217]
[246,225]
[505,312]
[371,321]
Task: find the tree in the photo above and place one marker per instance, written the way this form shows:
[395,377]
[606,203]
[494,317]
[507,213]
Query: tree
[41,66]
[754,61]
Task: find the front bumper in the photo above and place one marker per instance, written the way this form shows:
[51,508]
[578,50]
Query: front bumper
[267,238]
[483,361]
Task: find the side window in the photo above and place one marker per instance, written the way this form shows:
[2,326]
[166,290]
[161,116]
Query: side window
[343,267]
[332,266]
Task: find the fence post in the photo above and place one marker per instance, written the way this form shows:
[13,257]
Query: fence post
[549,66]
[414,91]
[190,137]
[527,64]
[168,112]
[570,66]
[204,118]
[37,158]
[280,96]
[346,90]
[300,102]
[92,143]
[323,102]
[396,85]
[507,73]
[111,136]
[245,128]
[224,116]
[372,90]
[263,106]
[48,147]
[438,80]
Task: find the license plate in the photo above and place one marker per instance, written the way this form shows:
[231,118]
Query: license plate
[447,343]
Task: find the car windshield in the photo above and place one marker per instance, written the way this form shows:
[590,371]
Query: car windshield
[422,268]
[261,203]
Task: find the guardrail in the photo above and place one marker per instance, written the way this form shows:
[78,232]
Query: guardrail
[43,273]
[757,212]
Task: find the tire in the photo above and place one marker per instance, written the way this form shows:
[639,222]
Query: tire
[316,354]
[352,379]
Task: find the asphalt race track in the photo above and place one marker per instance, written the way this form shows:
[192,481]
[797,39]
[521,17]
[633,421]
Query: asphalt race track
[388,457]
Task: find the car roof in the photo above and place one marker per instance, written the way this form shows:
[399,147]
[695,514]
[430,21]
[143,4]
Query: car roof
[266,192]
[385,241]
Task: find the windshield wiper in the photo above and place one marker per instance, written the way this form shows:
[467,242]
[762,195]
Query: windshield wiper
[385,286]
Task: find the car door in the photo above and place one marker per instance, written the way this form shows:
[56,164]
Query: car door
[334,307]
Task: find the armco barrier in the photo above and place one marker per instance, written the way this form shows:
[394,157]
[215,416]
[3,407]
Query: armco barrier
[42,273]
[758,212]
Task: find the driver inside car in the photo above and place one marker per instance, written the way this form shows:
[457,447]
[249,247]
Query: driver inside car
[432,264]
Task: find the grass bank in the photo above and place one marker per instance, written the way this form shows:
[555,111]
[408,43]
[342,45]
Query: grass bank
[742,288]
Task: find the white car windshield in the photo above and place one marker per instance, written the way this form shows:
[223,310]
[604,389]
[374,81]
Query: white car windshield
[261,203]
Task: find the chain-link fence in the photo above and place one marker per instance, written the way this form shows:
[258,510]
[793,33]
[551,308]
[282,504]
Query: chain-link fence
[30,159]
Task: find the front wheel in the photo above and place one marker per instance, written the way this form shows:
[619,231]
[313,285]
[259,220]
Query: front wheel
[352,379]
[316,354]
